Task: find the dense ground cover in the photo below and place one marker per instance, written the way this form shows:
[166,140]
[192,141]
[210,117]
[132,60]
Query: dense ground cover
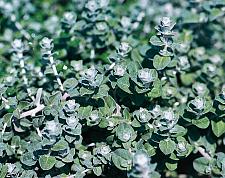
[100,88]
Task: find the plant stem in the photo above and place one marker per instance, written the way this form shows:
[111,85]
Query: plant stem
[203,153]
[56,73]
[32,112]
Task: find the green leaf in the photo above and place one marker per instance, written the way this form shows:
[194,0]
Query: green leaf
[70,83]
[124,132]
[132,68]
[110,103]
[136,56]
[23,105]
[191,17]
[47,162]
[108,107]
[98,79]
[201,164]
[2,89]
[215,13]
[54,99]
[7,118]
[156,90]
[171,166]
[25,122]
[218,127]
[167,146]
[59,164]
[97,171]
[150,149]
[122,159]
[155,175]
[3,172]
[68,159]
[60,145]
[202,123]
[85,91]
[154,40]
[84,112]
[187,78]
[124,84]
[27,159]
[178,130]
[28,173]
[48,70]
[161,62]
[15,141]
[102,91]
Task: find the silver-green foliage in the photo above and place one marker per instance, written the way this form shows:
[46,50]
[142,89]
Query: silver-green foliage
[112,88]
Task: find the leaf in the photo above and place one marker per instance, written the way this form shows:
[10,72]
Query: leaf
[2,89]
[15,141]
[218,128]
[27,159]
[47,162]
[122,159]
[109,106]
[154,40]
[70,83]
[143,49]
[7,118]
[102,91]
[54,99]
[171,166]
[150,149]
[110,103]
[23,105]
[215,13]
[98,79]
[124,132]
[187,78]
[25,122]
[132,69]
[85,91]
[84,112]
[156,90]
[155,175]
[190,17]
[202,123]
[124,84]
[3,172]
[161,62]
[28,173]
[178,130]
[68,159]
[167,146]
[136,56]
[60,145]
[48,70]
[97,171]
[59,164]
[12,101]
[201,164]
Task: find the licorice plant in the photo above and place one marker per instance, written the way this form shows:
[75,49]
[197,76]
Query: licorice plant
[105,88]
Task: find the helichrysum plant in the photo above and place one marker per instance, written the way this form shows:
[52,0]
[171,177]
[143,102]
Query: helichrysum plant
[105,88]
